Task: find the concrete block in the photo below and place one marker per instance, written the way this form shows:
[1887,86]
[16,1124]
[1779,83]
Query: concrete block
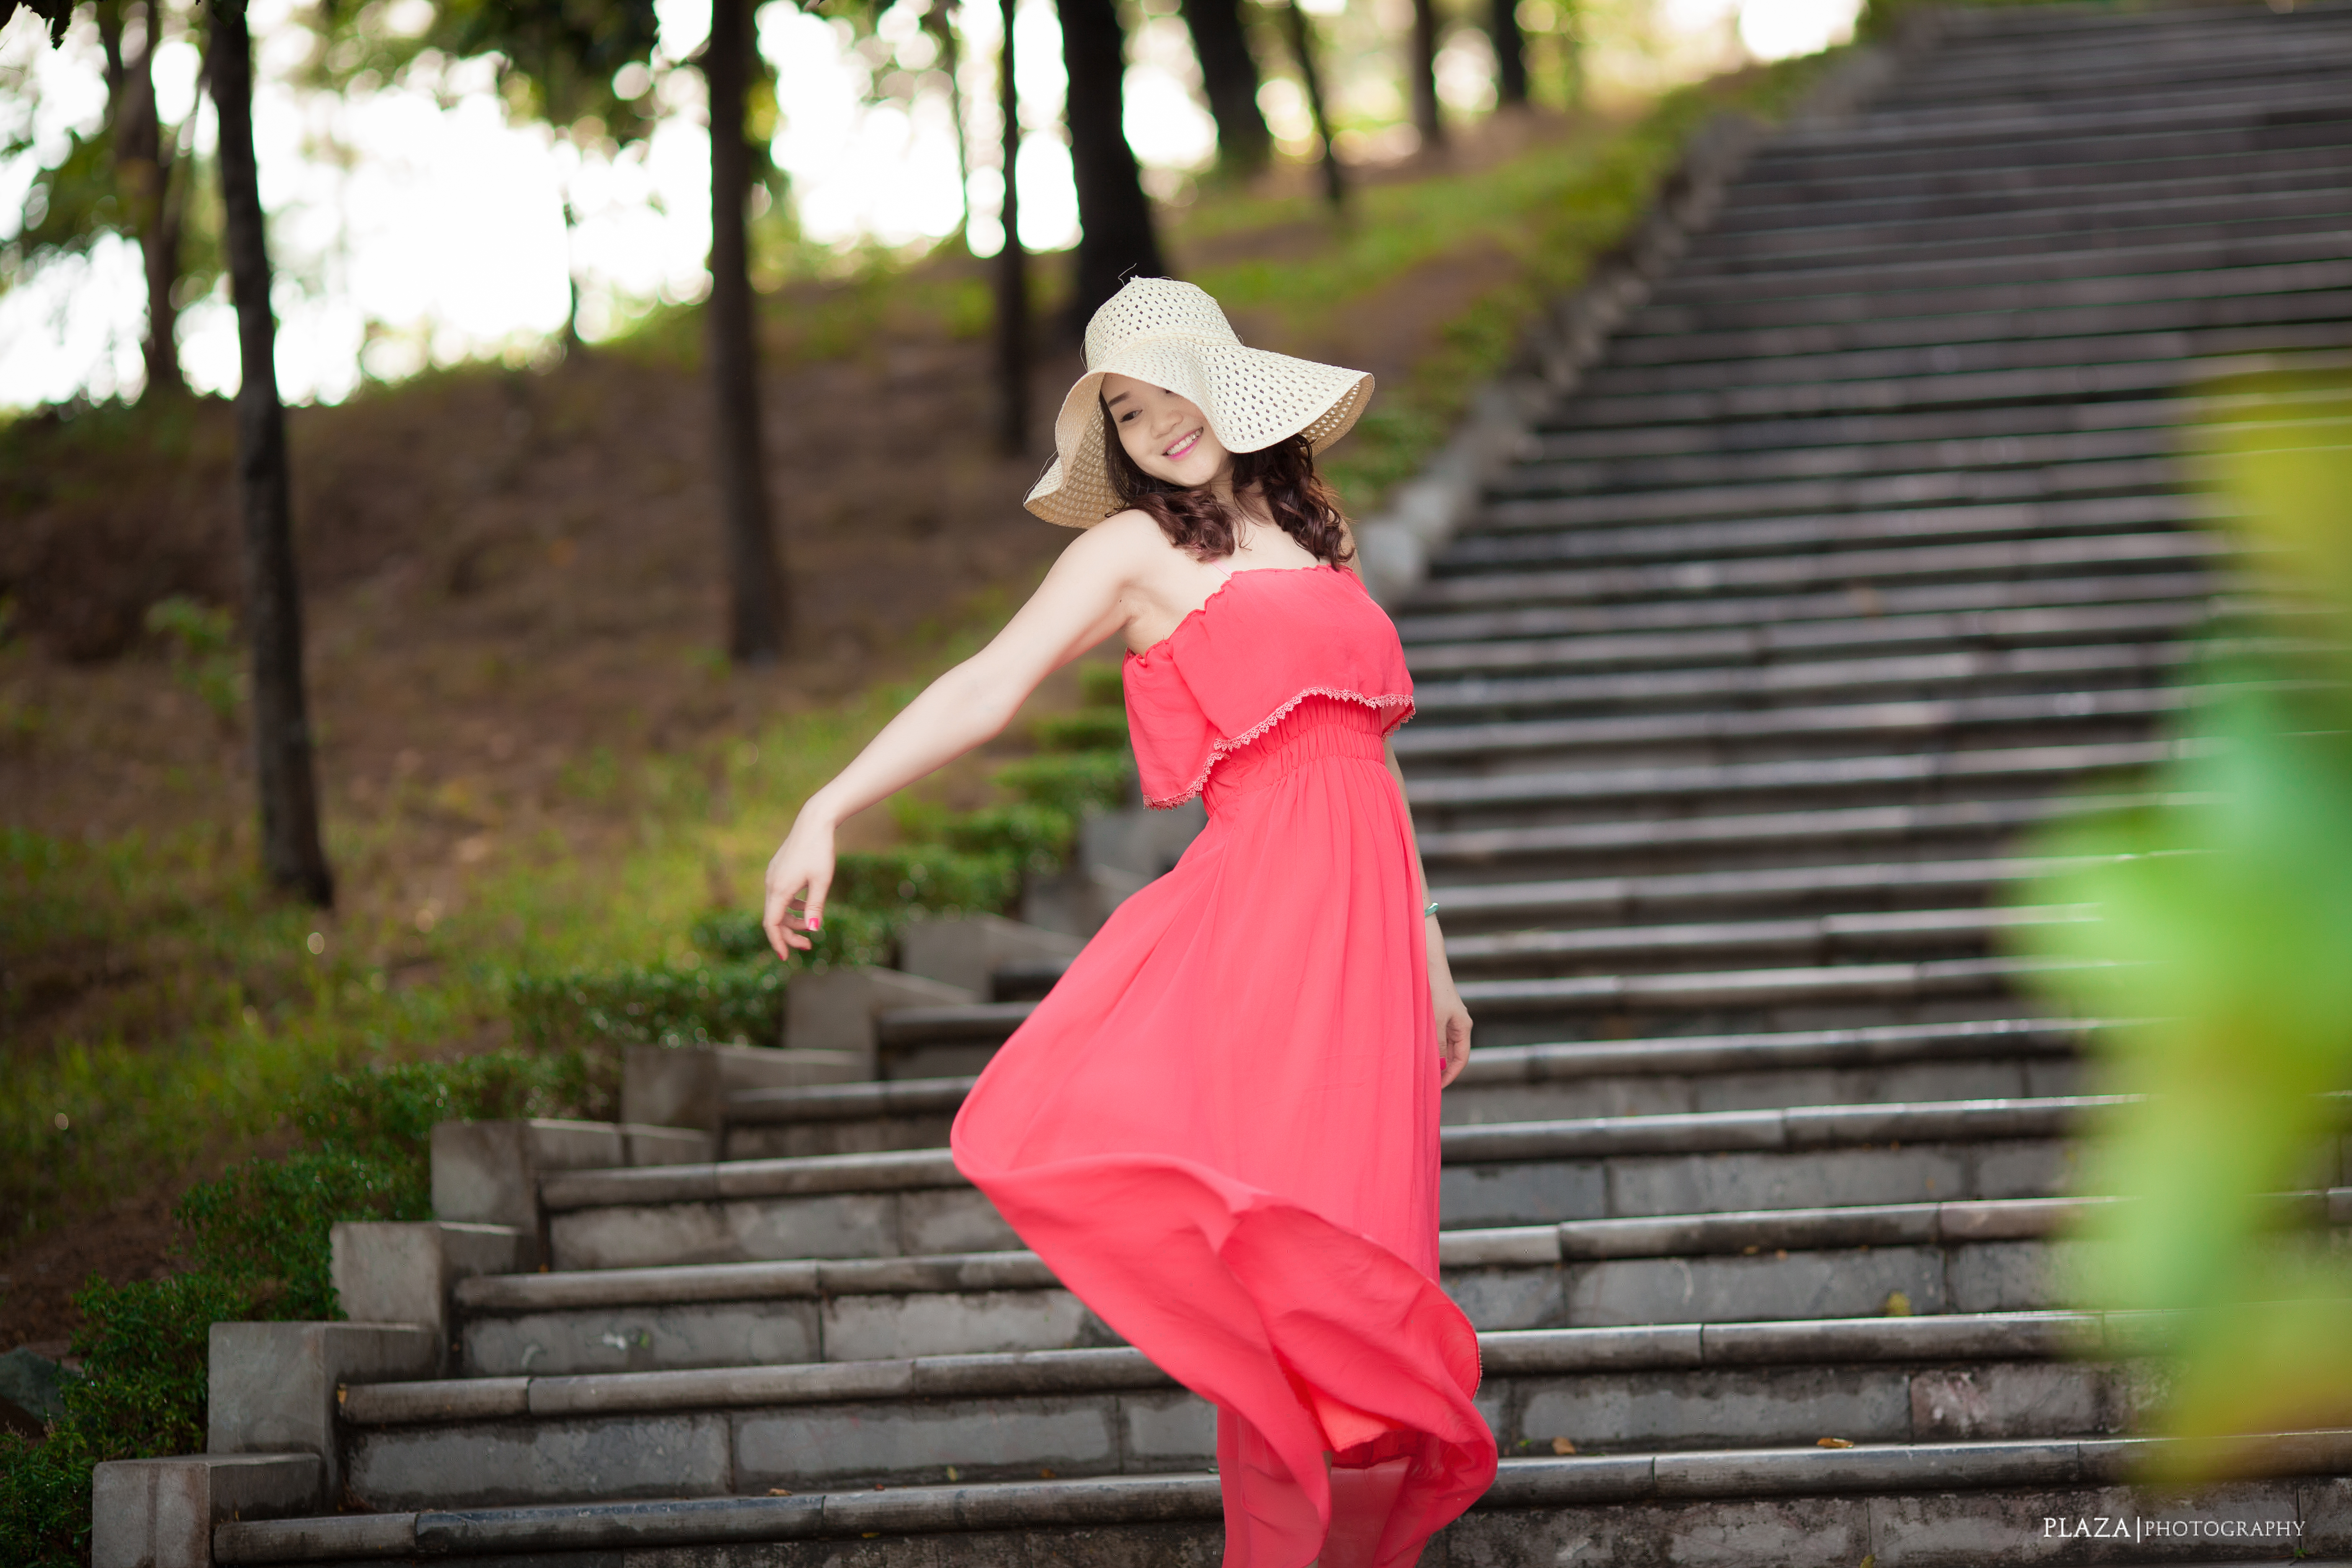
[841,1224]
[834,1010]
[160,1513]
[878,1328]
[642,1339]
[1140,841]
[2031,1399]
[1827,1178]
[865,1135]
[802,1447]
[272,1386]
[1498,1299]
[1843,1284]
[2002,1277]
[591,1459]
[672,1086]
[396,1271]
[486,1172]
[1075,900]
[966,951]
[643,1143]
[1171,1431]
[1531,1193]
[951,1219]
[1706,1407]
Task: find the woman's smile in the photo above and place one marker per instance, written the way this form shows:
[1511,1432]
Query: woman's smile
[1184,444]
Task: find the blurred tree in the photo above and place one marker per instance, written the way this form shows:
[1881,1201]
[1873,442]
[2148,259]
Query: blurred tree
[1229,77]
[1510,53]
[290,850]
[1420,75]
[1012,266]
[1116,236]
[126,179]
[285,777]
[1300,30]
[759,616]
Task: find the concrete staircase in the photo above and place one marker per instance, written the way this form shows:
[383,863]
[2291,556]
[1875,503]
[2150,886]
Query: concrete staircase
[1860,552]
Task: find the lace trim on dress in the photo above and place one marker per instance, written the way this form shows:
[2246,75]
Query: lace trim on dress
[1223,749]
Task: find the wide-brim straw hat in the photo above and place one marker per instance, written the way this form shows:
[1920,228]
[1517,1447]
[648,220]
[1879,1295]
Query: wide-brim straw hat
[1172,335]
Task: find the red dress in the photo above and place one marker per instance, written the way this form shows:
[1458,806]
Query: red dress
[1220,1128]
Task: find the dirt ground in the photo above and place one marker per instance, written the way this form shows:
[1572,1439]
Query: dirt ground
[505,572]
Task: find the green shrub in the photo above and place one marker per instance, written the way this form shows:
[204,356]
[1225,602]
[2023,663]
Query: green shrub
[1034,837]
[1088,729]
[929,877]
[653,1005]
[1103,686]
[1071,781]
[729,934]
[265,1224]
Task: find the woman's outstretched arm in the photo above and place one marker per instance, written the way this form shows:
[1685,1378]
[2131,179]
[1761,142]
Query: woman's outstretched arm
[1082,601]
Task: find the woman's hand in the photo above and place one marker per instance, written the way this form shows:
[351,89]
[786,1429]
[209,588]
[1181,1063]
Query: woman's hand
[1453,1027]
[797,879]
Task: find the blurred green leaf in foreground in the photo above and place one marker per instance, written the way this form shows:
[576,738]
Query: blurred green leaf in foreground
[2225,935]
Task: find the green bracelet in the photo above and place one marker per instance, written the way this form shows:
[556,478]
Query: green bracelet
[1431,909]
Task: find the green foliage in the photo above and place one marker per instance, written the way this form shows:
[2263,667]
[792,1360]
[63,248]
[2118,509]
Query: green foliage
[739,1000]
[1072,782]
[1088,729]
[1034,837]
[928,876]
[1102,686]
[2224,917]
[203,642]
[264,1224]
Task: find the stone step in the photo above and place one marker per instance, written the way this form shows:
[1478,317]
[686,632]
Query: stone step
[1108,1412]
[1683,504]
[2151,366]
[1902,1505]
[1837,944]
[1764,1265]
[1960,353]
[1472,750]
[1581,902]
[1905,284]
[1671,335]
[1918,593]
[1902,778]
[1996,1059]
[1525,533]
[2120,217]
[1901,833]
[915,1203]
[2000,80]
[1767,209]
[2082,559]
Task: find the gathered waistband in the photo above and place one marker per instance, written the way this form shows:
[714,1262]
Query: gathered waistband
[1317,729]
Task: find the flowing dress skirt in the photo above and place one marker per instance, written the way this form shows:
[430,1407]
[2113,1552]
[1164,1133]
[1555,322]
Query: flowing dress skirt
[1219,1130]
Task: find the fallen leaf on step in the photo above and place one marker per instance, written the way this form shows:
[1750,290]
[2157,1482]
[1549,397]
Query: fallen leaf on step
[1045,1475]
[1831,1442]
[777,1491]
[951,1475]
[1562,1446]
[1898,1305]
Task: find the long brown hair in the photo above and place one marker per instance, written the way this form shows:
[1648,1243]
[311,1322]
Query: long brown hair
[1304,506]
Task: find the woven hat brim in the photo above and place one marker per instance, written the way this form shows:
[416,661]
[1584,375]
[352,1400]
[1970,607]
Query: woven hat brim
[1253,398]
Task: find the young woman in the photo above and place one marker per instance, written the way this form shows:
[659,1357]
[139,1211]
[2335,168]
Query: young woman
[1220,1128]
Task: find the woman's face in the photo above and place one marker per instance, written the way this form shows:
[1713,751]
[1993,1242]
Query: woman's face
[1167,437]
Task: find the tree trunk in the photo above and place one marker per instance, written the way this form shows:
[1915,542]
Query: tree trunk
[758,623]
[942,30]
[290,853]
[1113,215]
[1311,76]
[142,168]
[1510,54]
[1421,74]
[1011,272]
[1229,76]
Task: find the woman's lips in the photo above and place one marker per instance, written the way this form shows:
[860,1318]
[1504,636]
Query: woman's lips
[1183,447]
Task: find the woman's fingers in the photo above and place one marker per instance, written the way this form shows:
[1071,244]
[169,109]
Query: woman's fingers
[1453,1043]
[780,936]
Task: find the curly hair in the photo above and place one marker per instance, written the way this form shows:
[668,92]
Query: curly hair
[1304,505]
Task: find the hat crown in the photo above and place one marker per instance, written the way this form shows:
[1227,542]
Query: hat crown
[1153,308]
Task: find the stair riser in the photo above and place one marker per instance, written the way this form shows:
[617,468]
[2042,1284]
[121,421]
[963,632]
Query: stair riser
[2133,476]
[1960,1077]
[1156,1432]
[1993,191]
[1772,1286]
[1891,160]
[958,1219]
